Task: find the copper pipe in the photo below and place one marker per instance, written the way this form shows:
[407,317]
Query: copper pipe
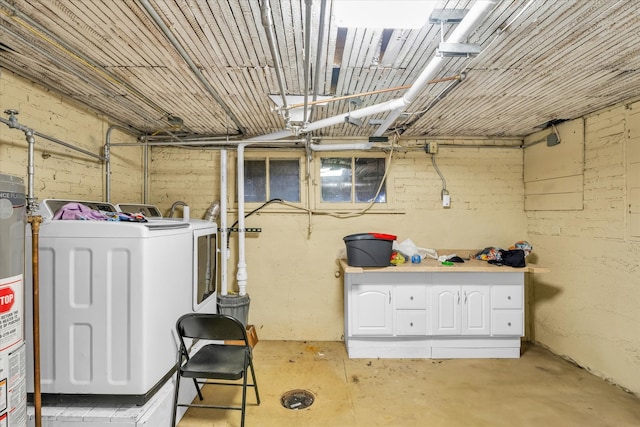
[35,274]
[373,92]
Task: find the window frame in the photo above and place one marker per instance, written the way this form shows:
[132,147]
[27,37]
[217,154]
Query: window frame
[321,205]
[253,155]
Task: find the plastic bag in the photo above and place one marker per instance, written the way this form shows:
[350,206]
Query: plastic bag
[408,248]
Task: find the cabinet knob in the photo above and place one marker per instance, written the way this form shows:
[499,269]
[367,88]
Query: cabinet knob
[411,298]
[509,323]
[509,297]
[411,324]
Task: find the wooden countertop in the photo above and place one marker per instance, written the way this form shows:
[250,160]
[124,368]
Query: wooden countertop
[432,265]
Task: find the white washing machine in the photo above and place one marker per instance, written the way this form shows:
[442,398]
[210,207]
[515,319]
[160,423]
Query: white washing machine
[205,254]
[110,294]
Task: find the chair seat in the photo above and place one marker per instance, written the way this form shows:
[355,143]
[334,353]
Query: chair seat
[229,362]
[224,362]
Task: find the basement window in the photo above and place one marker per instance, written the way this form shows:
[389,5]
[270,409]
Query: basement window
[352,180]
[271,178]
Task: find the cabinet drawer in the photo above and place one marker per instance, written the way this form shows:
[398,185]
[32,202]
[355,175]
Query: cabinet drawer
[507,322]
[506,296]
[411,322]
[411,297]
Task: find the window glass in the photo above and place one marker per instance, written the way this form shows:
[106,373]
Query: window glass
[284,180]
[255,181]
[352,180]
[335,179]
[368,176]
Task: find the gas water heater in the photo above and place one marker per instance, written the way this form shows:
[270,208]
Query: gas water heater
[13,390]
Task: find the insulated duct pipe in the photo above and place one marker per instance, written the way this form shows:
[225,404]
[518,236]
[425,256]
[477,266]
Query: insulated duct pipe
[194,68]
[267,23]
[341,147]
[475,16]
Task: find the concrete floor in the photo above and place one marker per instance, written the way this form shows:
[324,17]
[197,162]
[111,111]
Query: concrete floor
[539,389]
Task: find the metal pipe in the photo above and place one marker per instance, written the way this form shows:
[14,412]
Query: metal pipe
[35,275]
[375,92]
[48,37]
[31,172]
[267,23]
[28,132]
[107,157]
[307,60]
[205,143]
[475,16]
[145,174]
[71,147]
[316,88]
[241,274]
[224,251]
[194,68]
[12,123]
[175,205]
[396,106]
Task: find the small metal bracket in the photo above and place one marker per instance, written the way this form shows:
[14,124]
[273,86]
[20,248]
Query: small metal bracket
[449,16]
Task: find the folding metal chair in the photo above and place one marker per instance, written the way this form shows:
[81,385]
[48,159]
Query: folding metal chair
[214,361]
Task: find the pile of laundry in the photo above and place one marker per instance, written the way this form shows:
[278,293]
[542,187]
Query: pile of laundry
[78,211]
[513,257]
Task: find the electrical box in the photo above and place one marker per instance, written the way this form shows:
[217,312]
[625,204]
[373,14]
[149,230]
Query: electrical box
[431,147]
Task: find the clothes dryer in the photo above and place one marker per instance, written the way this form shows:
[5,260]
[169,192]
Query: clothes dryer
[204,254]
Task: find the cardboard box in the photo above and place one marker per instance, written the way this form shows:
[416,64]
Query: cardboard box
[252,336]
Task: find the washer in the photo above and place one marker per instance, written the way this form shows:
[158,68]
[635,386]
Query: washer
[110,293]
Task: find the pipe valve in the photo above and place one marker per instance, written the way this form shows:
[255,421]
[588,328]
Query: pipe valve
[13,120]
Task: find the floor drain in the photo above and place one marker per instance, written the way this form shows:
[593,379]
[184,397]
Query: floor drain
[297,399]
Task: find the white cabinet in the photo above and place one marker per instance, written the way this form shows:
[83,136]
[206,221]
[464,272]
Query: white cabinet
[371,310]
[507,314]
[392,313]
[388,309]
[460,310]
[410,308]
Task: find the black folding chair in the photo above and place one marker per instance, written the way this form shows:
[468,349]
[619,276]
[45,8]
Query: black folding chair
[214,361]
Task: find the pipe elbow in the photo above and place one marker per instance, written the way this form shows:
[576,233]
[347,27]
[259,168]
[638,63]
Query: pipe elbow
[174,206]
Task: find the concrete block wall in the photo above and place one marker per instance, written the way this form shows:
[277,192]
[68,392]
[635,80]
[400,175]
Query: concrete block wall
[586,307]
[293,277]
[59,171]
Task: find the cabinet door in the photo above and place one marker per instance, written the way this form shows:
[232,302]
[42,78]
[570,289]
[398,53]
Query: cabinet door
[371,310]
[476,311]
[445,309]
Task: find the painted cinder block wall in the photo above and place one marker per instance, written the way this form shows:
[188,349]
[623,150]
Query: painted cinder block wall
[588,306]
[585,308]
[61,172]
[293,277]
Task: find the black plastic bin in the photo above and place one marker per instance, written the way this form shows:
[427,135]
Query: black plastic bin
[369,249]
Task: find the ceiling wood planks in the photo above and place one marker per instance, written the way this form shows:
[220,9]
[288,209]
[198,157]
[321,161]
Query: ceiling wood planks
[541,61]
